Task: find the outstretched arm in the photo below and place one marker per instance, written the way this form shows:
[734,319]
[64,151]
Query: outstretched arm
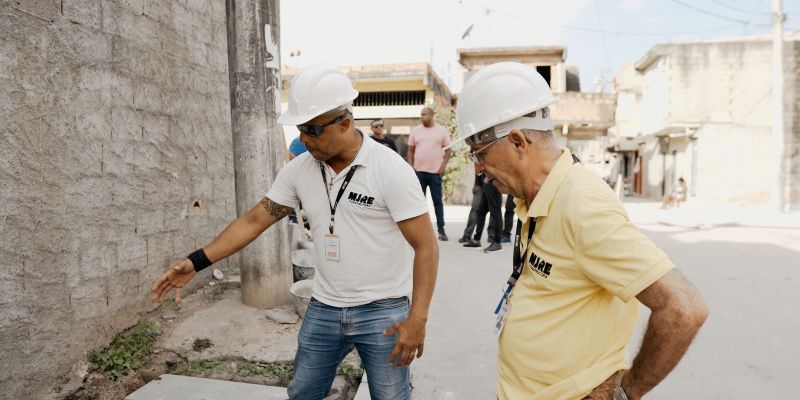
[236,236]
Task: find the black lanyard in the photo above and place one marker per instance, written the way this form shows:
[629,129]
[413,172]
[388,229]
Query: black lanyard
[341,190]
[518,260]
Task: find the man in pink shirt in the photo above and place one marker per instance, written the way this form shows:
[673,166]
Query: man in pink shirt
[427,155]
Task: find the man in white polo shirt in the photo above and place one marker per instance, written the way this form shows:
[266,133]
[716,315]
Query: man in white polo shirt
[362,199]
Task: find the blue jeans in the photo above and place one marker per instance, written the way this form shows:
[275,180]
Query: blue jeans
[434,181]
[329,333]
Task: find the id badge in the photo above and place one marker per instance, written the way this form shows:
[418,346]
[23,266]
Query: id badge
[332,247]
[502,314]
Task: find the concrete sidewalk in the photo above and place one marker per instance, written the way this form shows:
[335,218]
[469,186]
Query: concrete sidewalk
[696,214]
[460,350]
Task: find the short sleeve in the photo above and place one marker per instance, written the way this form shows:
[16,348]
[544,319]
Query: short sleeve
[612,251]
[283,190]
[445,137]
[403,195]
[412,141]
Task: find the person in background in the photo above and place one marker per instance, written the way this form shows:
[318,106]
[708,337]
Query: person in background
[677,195]
[296,148]
[427,154]
[508,219]
[477,216]
[379,135]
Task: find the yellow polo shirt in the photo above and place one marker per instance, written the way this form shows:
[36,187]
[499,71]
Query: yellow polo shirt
[574,309]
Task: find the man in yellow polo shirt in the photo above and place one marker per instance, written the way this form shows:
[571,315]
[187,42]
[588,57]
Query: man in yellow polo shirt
[581,268]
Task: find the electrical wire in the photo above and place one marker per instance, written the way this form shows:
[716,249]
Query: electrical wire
[595,30]
[713,14]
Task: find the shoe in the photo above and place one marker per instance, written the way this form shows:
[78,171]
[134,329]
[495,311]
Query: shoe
[443,237]
[463,239]
[472,243]
[493,247]
[506,239]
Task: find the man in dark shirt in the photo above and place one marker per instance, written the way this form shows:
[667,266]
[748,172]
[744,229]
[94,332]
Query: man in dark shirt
[379,136]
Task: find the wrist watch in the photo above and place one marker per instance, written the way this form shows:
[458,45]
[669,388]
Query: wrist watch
[619,392]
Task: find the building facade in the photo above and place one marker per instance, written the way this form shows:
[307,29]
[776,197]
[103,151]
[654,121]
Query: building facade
[705,114]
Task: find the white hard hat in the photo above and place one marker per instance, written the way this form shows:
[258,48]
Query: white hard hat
[316,90]
[504,96]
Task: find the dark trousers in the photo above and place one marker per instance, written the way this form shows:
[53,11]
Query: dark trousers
[476,222]
[508,217]
[492,200]
[434,181]
[485,199]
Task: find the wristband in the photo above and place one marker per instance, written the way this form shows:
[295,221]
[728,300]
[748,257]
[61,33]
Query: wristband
[199,260]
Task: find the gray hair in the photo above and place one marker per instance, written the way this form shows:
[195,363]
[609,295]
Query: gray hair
[542,138]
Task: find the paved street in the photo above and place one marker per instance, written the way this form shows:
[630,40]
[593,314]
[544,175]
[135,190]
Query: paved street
[748,274]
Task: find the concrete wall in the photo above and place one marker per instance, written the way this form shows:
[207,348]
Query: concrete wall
[115,121]
[792,124]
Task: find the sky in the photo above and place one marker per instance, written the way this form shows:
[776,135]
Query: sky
[600,35]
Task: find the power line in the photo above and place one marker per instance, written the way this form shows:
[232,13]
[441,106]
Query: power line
[713,14]
[595,30]
[735,8]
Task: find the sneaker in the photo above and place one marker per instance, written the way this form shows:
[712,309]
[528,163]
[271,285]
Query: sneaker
[443,237]
[472,243]
[506,239]
[493,247]
[463,239]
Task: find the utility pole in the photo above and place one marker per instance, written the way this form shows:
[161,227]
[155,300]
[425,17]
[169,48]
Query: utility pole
[778,190]
[258,144]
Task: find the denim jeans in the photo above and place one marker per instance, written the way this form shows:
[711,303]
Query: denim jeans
[329,333]
[434,181]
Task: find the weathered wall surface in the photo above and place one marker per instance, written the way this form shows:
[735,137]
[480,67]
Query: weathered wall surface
[724,89]
[114,122]
[792,122]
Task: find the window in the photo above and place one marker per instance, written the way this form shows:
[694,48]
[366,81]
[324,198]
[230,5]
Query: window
[404,98]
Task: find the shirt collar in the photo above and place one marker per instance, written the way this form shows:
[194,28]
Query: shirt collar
[364,152]
[362,157]
[540,206]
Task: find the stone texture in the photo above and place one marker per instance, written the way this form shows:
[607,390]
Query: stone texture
[283,316]
[110,110]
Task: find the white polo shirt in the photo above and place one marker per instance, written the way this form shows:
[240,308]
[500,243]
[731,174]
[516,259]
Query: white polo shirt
[375,260]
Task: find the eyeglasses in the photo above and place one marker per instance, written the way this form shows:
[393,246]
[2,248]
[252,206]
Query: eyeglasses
[378,126]
[316,130]
[473,155]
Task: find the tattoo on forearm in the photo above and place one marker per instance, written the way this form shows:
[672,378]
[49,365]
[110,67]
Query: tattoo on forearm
[278,211]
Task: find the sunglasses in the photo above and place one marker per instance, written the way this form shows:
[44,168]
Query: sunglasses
[316,130]
[378,126]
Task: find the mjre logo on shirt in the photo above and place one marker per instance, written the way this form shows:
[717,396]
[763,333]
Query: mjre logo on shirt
[539,266]
[360,199]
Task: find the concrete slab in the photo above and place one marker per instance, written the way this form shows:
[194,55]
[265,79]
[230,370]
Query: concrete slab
[175,387]
[235,331]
